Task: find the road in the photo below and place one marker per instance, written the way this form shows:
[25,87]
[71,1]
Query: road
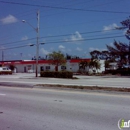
[103,81]
[48,109]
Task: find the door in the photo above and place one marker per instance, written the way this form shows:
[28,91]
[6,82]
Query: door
[25,69]
[42,68]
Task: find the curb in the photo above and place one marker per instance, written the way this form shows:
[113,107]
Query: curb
[10,84]
[58,86]
[97,88]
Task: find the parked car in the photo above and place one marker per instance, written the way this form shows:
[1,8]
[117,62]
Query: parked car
[5,70]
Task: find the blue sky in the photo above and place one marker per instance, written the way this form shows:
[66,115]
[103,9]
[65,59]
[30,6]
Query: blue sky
[67,30]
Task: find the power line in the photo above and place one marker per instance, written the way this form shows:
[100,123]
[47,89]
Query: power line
[14,47]
[89,39]
[17,41]
[57,36]
[60,39]
[65,8]
[18,33]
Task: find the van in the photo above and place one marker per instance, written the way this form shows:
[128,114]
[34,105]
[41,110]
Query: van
[5,69]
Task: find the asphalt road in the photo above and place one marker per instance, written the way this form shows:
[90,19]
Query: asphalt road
[45,109]
[103,81]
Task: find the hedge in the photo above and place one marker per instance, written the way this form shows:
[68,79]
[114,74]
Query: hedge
[63,74]
[5,72]
[123,71]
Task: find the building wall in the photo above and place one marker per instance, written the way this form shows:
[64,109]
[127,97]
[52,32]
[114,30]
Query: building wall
[102,66]
[29,67]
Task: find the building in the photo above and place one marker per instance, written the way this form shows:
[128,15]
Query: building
[28,66]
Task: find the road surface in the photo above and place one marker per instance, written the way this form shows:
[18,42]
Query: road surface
[103,81]
[48,109]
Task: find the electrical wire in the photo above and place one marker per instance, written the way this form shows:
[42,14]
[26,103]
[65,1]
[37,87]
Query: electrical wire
[97,31]
[57,39]
[57,26]
[89,39]
[65,8]
[15,47]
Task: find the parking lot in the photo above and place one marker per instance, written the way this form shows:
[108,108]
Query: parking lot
[104,81]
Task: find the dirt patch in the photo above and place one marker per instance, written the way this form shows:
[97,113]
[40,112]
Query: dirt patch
[85,87]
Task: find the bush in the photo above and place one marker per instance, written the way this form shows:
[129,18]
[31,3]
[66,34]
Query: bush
[62,74]
[5,72]
[122,71]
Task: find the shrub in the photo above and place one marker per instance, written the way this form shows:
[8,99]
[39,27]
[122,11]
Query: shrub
[5,72]
[62,74]
[122,71]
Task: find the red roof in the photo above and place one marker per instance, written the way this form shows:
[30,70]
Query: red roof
[40,61]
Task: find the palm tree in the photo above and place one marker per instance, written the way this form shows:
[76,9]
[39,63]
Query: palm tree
[95,54]
[94,65]
[105,55]
[120,53]
[83,64]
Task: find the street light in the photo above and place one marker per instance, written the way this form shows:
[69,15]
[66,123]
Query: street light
[37,45]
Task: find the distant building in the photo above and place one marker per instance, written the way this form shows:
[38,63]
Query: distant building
[28,66]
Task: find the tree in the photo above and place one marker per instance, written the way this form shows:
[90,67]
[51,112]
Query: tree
[12,67]
[105,55]
[95,54]
[94,64]
[107,64]
[119,52]
[57,58]
[83,64]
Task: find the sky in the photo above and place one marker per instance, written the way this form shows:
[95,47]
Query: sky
[74,27]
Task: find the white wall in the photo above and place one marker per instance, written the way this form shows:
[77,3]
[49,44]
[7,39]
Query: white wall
[74,67]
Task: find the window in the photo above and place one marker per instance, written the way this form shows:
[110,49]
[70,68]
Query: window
[63,67]
[47,67]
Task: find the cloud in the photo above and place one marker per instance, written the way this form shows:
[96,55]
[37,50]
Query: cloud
[77,36]
[111,44]
[92,49]
[61,47]
[9,19]
[78,49]
[44,52]
[52,49]
[2,47]
[30,55]
[24,38]
[69,50]
[74,37]
[14,54]
[109,27]
[66,40]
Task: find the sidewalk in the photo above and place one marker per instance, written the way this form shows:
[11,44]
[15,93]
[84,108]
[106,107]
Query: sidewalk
[96,81]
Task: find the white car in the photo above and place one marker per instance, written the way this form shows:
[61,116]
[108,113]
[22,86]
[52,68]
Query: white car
[5,69]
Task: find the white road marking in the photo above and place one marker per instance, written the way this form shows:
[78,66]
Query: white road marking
[1,94]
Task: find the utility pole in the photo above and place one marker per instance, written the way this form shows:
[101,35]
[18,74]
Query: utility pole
[21,55]
[37,41]
[37,46]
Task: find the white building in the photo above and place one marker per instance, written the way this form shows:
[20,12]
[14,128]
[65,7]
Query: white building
[27,66]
